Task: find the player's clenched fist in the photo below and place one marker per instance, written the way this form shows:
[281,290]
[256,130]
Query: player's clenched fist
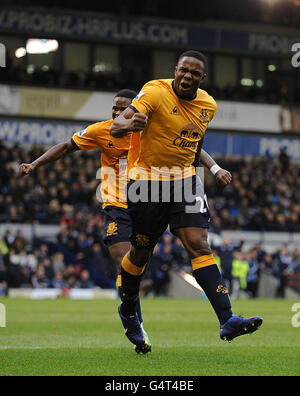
[138,122]
[223,177]
[26,169]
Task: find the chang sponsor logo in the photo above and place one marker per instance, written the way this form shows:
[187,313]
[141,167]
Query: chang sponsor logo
[189,137]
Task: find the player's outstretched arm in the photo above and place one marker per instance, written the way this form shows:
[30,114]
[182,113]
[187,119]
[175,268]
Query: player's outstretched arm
[128,121]
[222,176]
[53,154]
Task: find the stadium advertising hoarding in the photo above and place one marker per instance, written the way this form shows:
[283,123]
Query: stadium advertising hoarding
[105,28]
[50,133]
[231,144]
[247,117]
[96,106]
[34,132]
[55,103]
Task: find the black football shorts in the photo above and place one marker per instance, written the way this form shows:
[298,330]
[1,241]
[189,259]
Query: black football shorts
[117,225]
[175,204]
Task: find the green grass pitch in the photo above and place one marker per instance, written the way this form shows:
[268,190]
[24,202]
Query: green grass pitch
[85,338]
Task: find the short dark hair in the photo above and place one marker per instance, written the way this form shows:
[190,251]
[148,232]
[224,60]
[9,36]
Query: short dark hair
[126,93]
[194,54]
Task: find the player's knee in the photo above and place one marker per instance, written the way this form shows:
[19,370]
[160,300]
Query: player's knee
[118,255]
[140,257]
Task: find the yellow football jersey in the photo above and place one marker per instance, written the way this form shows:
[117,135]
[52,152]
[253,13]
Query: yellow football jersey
[113,160]
[168,144]
[134,150]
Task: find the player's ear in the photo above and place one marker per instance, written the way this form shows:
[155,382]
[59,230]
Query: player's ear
[203,77]
[176,69]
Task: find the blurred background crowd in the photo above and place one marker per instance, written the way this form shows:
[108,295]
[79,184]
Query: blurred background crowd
[64,194]
[79,259]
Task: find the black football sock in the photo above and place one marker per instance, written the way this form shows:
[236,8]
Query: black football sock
[138,305]
[131,278]
[208,276]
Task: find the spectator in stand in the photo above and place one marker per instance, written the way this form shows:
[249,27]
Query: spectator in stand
[58,282]
[284,267]
[58,263]
[240,270]
[26,278]
[69,272]
[47,265]
[284,160]
[159,269]
[253,273]
[225,252]
[39,279]
[85,280]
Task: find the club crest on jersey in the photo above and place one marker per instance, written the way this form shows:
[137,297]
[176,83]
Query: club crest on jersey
[110,144]
[204,116]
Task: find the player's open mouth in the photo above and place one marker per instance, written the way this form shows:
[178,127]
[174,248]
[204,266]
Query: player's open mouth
[185,86]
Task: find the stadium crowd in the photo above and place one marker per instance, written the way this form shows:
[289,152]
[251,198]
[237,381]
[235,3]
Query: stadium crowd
[78,260]
[262,197]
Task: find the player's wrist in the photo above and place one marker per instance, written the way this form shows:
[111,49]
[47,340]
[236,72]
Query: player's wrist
[215,169]
[34,165]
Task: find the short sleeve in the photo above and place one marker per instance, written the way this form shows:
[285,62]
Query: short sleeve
[149,98]
[88,138]
[214,112]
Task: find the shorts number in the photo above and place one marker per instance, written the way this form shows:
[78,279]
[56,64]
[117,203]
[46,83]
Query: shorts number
[202,202]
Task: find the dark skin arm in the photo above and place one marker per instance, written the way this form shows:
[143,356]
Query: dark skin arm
[128,121]
[223,177]
[52,155]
